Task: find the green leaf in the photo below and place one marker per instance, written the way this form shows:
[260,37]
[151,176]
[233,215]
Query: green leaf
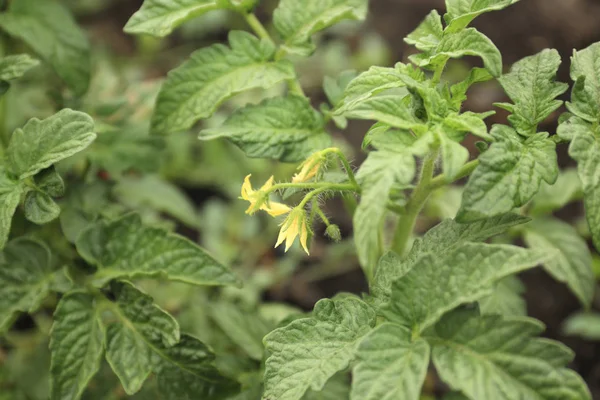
[334,88]
[496,358]
[573,263]
[532,87]
[50,30]
[554,197]
[25,278]
[585,100]
[505,299]
[246,329]
[160,17]
[309,351]
[135,336]
[428,34]
[391,365]
[437,284]
[124,248]
[158,194]
[469,42]
[50,181]
[40,208]
[509,174]
[76,345]
[467,122]
[462,12]
[459,89]
[585,149]
[212,75]
[41,143]
[10,196]
[392,110]
[454,155]
[585,325]
[439,241]
[14,67]
[297,21]
[381,171]
[287,129]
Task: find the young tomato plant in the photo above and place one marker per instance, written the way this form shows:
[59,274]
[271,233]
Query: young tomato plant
[84,238]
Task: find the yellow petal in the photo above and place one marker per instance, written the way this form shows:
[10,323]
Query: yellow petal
[304,236]
[291,233]
[267,184]
[247,188]
[276,209]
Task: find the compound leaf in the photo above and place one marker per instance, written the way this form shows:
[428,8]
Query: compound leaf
[160,17]
[437,284]
[10,196]
[297,21]
[509,174]
[76,345]
[309,351]
[573,263]
[532,87]
[462,12]
[14,67]
[41,143]
[124,248]
[50,30]
[287,129]
[391,365]
[212,75]
[498,358]
[25,278]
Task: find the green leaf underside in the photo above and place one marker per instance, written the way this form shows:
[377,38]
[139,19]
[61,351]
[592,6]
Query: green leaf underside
[438,284]
[10,196]
[572,264]
[212,75]
[287,129]
[41,143]
[468,42]
[454,155]
[505,299]
[462,12]
[40,208]
[509,174]
[160,17]
[309,351]
[381,171]
[296,21]
[496,358]
[50,30]
[76,345]
[391,365]
[14,67]
[585,71]
[428,34]
[388,109]
[145,339]
[532,88]
[439,241]
[25,278]
[124,248]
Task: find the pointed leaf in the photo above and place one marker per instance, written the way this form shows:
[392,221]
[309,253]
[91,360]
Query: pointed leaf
[76,345]
[532,87]
[50,30]
[468,122]
[160,17]
[212,75]
[390,109]
[25,278]
[124,248]
[462,12]
[287,129]
[496,358]
[573,263]
[391,365]
[41,143]
[585,100]
[14,67]
[459,89]
[509,174]
[309,351]
[297,21]
[428,34]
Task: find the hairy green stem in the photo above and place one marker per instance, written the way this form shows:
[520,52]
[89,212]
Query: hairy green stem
[419,196]
[260,30]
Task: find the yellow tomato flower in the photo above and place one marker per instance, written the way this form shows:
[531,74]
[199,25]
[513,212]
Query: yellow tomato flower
[294,225]
[259,199]
[309,168]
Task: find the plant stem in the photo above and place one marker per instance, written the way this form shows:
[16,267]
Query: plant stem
[346,165]
[260,30]
[315,185]
[441,180]
[419,196]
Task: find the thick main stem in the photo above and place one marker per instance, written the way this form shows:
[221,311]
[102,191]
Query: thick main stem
[419,196]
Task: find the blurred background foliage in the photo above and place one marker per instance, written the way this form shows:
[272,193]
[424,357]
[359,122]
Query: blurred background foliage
[191,186]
